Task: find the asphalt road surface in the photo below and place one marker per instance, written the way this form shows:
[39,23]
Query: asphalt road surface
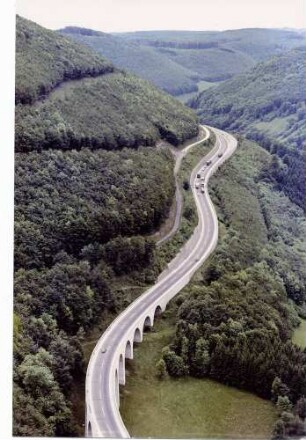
[101,407]
[178,192]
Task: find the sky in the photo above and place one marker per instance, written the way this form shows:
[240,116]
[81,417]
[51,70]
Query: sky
[131,15]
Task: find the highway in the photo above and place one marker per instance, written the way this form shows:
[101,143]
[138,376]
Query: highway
[178,193]
[103,418]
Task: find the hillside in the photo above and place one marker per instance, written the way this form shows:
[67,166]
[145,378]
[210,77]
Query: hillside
[216,56]
[144,61]
[83,215]
[267,104]
[111,110]
[235,319]
[44,60]
[177,60]
[258,43]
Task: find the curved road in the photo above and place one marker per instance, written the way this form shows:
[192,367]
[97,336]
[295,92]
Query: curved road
[178,192]
[103,418]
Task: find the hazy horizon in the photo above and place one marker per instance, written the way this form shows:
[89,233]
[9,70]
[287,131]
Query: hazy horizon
[164,15]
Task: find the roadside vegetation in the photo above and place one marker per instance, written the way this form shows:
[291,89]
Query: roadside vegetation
[189,220]
[236,320]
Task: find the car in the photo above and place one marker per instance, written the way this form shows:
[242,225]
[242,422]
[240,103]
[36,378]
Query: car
[104,350]
[208,162]
[220,154]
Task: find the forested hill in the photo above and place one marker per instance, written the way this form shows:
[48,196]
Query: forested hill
[177,60]
[139,59]
[82,214]
[44,60]
[268,105]
[271,89]
[258,43]
[111,110]
[236,317]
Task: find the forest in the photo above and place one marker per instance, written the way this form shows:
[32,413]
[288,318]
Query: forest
[133,112]
[37,73]
[141,60]
[268,105]
[69,201]
[235,320]
[176,61]
[93,181]
[83,215]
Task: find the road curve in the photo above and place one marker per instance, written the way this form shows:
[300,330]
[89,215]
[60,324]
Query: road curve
[178,192]
[106,368]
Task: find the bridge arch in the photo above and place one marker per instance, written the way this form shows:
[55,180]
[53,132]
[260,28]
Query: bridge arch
[89,430]
[117,392]
[147,323]
[121,370]
[137,335]
[129,350]
[158,311]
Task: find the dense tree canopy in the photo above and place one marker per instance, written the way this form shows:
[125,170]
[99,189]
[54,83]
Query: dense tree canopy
[82,214]
[44,60]
[235,321]
[112,111]
[141,60]
[65,201]
[268,105]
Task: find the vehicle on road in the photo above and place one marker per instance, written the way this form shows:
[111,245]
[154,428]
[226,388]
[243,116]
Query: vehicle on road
[198,175]
[106,372]
[197,185]
[208,162]
[220,154]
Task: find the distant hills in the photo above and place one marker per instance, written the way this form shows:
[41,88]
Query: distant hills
[268,104]
[177,60]
[142,60]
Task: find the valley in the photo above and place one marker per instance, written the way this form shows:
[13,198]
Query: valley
[107,136]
